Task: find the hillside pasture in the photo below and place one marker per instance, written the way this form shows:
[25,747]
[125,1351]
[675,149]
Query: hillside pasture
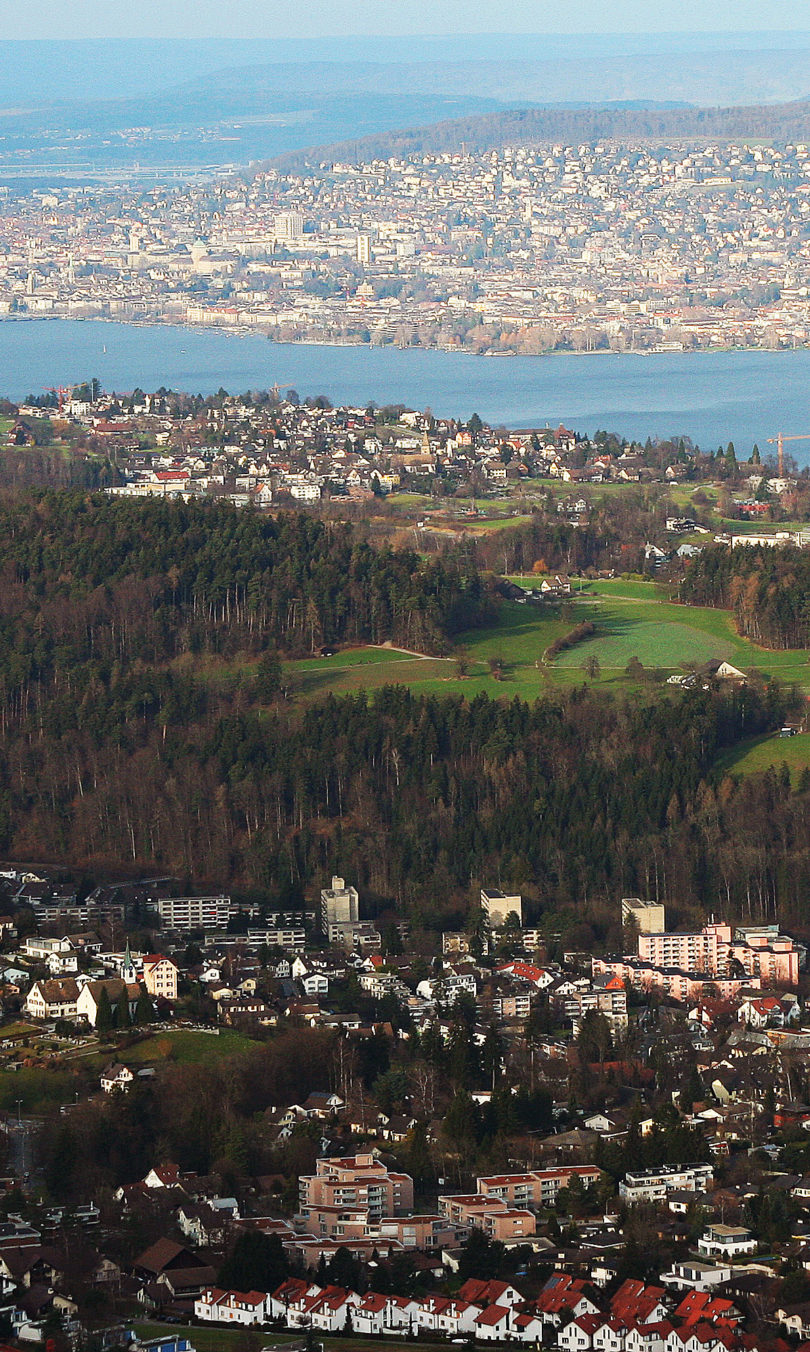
[633,618]
[771,752]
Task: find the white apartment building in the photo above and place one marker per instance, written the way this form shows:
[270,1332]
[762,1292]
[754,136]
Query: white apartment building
[652,1185]
[189,913]
[649,916]
[497,905]
[340,905]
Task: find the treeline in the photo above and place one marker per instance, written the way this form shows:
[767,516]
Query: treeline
[98,580]
[586,629]
[569,126]
[613,536]
[417,800]
[39,467]
[767,588]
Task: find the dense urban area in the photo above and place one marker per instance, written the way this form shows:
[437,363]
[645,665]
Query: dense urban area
[612,245]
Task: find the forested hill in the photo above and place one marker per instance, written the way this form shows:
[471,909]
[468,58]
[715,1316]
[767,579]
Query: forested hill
[414,798]
[571,126]
[87,578]
[767,588]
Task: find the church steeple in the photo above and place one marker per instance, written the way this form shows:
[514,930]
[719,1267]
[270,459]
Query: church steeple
[128,972]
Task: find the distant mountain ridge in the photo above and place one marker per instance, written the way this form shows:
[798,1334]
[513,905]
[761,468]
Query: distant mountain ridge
[732,67]
[708,78]
[528,126]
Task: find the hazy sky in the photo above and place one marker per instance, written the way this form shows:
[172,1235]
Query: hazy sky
[324,18]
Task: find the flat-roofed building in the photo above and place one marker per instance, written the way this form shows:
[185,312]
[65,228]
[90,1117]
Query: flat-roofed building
[355,1182]
[497,905]
[187,913]
[340,905]
[538,1188]
[649,916]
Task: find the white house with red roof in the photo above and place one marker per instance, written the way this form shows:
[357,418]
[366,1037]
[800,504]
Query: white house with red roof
[700,1338]
[610,1336]
[564,1298]
[290,1296]
[702,1307]
[231,1307]
[648,1337]
[494,1324]
[448,1315]
[637,1303]
[578,1334]
[485,1293]
[528,1327]
[376,1314]
[326,1309]
[527,971]
[163,1176]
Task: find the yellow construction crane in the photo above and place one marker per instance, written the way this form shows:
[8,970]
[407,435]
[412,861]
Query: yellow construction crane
[779,442]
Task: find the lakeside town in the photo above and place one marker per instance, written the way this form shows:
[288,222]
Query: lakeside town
[609,246]
[644,1117]
[268,450]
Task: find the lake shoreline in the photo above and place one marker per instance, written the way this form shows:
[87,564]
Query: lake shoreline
[711,397]
[245,331]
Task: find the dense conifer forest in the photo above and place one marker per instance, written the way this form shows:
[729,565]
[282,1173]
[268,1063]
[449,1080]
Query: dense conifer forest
[118,750]
[767,588]
[417,799]
[90,579]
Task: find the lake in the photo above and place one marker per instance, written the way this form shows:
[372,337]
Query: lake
[714,397]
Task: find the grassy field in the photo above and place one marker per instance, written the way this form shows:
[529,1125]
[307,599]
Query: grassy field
[206,1338]
[633,619]
[38,1088]
[212,1339]
[44,1087]
[186,1046]
[766,753]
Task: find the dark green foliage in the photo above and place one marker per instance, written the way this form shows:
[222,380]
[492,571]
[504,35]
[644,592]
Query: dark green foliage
[89,579]
[481,1257]
[268,677]
[60,1163]
[767,588]
[417,796]
[105,1020]
[570,126]
[257,1262]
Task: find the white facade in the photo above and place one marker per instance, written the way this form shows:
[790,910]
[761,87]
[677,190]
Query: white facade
[187,913]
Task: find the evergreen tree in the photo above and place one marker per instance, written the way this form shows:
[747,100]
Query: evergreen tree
[60,1163]
[144,1010]
[104,1013]
[257,1262]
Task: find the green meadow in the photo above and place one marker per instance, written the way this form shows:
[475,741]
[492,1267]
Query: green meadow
[632,618]
[771,752]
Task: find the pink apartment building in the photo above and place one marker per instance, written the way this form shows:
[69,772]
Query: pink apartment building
[681,964]
[355,1182]
[717,951]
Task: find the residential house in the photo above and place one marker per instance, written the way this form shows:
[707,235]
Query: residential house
[160,976]
[116,1077]
[54,999]
[231,1307]
[117,991]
